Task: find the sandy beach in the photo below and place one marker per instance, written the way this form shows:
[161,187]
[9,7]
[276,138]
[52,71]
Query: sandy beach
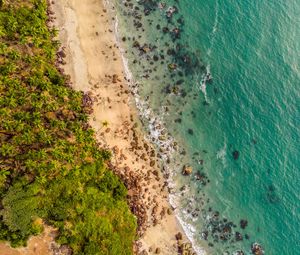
[94,63]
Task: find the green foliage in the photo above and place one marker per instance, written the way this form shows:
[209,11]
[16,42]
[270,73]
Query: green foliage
[50,165]
[19,206]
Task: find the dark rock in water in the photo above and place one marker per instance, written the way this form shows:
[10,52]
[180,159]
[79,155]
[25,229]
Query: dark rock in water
[136,44]
[247,237]
[170,52]
[175,33]
[147,12]
[240,253]
[201,177]
[271,195]
[180,21]
[243,224]
[257,249]
[165,30]
[205,234]
[179,81]
[182,188]
[190,131]
[271,188]
[238,236]
[235,155]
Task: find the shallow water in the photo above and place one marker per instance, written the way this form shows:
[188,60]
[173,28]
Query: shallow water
[250,111]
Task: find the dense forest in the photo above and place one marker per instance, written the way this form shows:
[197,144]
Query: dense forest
[51,169]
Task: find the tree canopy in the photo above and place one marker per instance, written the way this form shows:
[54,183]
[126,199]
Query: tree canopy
[51,168]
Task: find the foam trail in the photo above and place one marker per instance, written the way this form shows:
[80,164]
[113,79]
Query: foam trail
[221,154]
[205,78]
[214,30]
[207,75]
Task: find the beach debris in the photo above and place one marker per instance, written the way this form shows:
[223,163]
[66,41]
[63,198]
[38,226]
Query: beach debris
[187,170]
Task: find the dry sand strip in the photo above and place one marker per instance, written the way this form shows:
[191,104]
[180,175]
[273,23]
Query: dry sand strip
[94,64]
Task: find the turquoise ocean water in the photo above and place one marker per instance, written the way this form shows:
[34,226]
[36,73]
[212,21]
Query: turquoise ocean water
[218,87]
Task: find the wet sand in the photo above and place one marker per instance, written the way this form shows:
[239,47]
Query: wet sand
[94,63]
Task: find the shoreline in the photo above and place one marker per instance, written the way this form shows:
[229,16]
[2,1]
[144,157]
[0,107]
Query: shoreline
[95,65]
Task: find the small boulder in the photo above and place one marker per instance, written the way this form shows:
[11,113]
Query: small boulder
[157,251]
[152,163]
[243,224]
[178,236]
[115,78]
[187,170]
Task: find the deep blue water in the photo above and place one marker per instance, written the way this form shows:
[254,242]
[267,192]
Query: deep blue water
[250,109]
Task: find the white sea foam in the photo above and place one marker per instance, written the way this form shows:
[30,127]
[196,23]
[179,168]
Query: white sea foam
[221,154]
[189,230]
